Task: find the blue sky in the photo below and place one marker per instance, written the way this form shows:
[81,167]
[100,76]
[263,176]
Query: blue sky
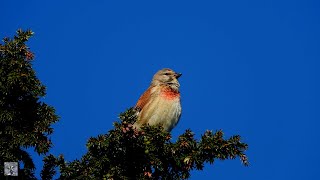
[249,68]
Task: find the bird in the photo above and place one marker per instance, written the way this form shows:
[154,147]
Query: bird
[160,104]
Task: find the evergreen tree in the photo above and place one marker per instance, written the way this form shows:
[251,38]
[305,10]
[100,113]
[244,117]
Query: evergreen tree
[25,121]
[126,153]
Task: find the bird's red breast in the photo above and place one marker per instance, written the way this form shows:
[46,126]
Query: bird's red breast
[169,93]
[166,92]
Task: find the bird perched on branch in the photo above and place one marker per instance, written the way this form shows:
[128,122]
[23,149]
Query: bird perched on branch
[160,103]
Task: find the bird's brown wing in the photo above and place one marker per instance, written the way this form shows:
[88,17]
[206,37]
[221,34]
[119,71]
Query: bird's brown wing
[144,99]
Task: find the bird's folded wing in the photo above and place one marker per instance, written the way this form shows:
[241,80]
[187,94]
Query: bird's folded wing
[144,99]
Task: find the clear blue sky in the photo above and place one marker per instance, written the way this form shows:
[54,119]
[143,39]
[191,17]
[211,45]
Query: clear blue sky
[249,68]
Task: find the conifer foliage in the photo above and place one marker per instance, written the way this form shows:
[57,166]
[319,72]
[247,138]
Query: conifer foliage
[25,121]
[126,153]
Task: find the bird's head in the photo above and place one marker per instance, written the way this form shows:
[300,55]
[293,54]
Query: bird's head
[166,76]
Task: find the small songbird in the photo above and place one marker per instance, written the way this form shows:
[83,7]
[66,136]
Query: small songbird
[160,103]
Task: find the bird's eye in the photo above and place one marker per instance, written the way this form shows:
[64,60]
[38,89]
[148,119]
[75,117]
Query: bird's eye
[167,74]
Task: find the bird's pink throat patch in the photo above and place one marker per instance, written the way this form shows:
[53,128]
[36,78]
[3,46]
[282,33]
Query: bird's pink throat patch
[170,94]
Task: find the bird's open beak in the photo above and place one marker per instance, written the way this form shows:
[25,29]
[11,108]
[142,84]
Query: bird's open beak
[178,75]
